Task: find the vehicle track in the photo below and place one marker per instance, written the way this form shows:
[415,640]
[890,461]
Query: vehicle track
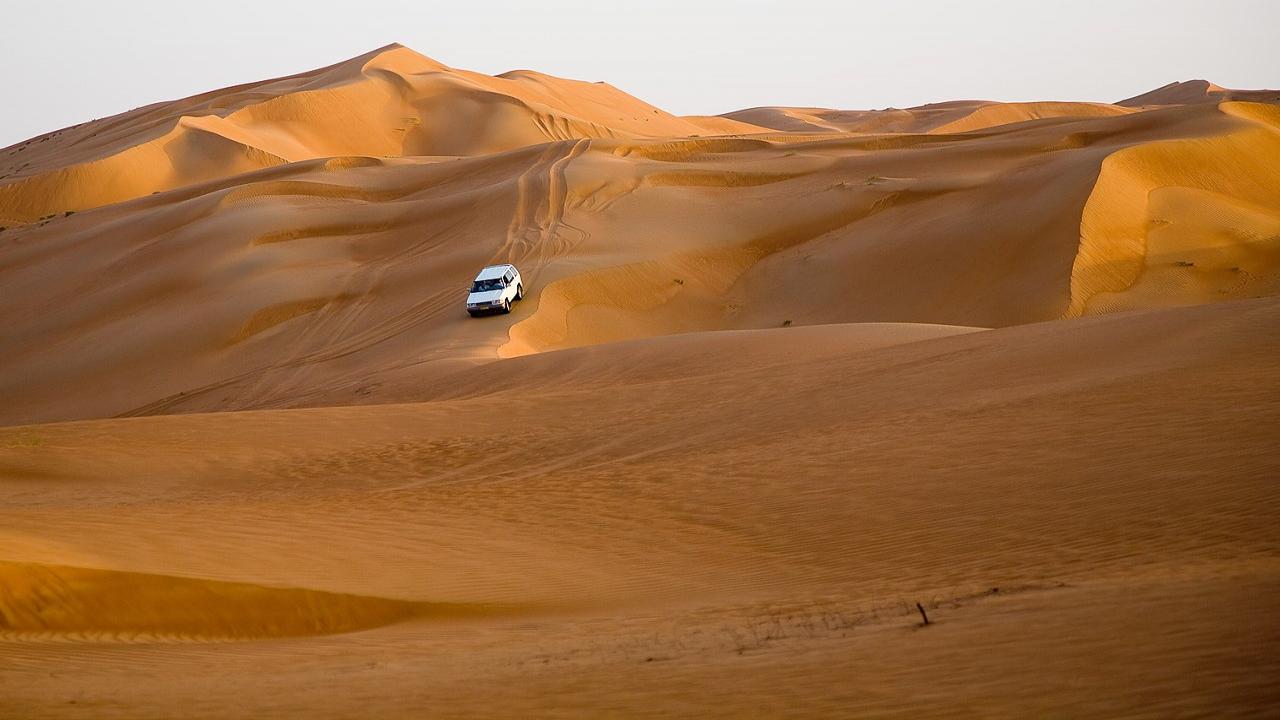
[538,232]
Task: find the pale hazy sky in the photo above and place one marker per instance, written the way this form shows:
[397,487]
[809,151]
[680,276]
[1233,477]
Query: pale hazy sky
[67,62]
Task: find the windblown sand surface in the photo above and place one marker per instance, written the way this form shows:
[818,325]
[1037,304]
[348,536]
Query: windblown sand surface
[780,375]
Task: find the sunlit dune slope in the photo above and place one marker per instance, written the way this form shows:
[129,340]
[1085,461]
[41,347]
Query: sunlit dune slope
[678,542]
[1184,221]
[390,102]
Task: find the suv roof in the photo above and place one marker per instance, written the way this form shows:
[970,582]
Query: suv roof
[494,271]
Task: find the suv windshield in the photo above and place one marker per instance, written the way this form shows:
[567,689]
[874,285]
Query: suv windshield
[487,285]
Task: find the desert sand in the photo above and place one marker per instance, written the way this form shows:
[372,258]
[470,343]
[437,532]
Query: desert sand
[780,375]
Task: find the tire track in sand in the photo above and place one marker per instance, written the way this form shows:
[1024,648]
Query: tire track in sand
[538,232]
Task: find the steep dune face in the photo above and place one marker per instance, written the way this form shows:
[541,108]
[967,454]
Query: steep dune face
[1184,221]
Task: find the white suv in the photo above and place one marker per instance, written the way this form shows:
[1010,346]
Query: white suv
[495,288]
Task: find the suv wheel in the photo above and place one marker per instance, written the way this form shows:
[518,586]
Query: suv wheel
[520,292]
[506,306]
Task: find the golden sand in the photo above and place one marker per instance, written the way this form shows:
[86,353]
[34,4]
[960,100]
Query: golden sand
[779,376]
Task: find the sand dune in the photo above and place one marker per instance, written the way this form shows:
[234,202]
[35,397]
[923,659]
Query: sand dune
[779,375]
[338,281]
[949,117]
[1182,221]
[1197,91]
[723,535]
[392,102]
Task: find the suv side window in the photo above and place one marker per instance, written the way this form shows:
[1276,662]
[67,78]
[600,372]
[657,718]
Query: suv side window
[509,277]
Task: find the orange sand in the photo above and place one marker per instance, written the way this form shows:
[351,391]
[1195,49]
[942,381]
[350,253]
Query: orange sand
[780,375]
